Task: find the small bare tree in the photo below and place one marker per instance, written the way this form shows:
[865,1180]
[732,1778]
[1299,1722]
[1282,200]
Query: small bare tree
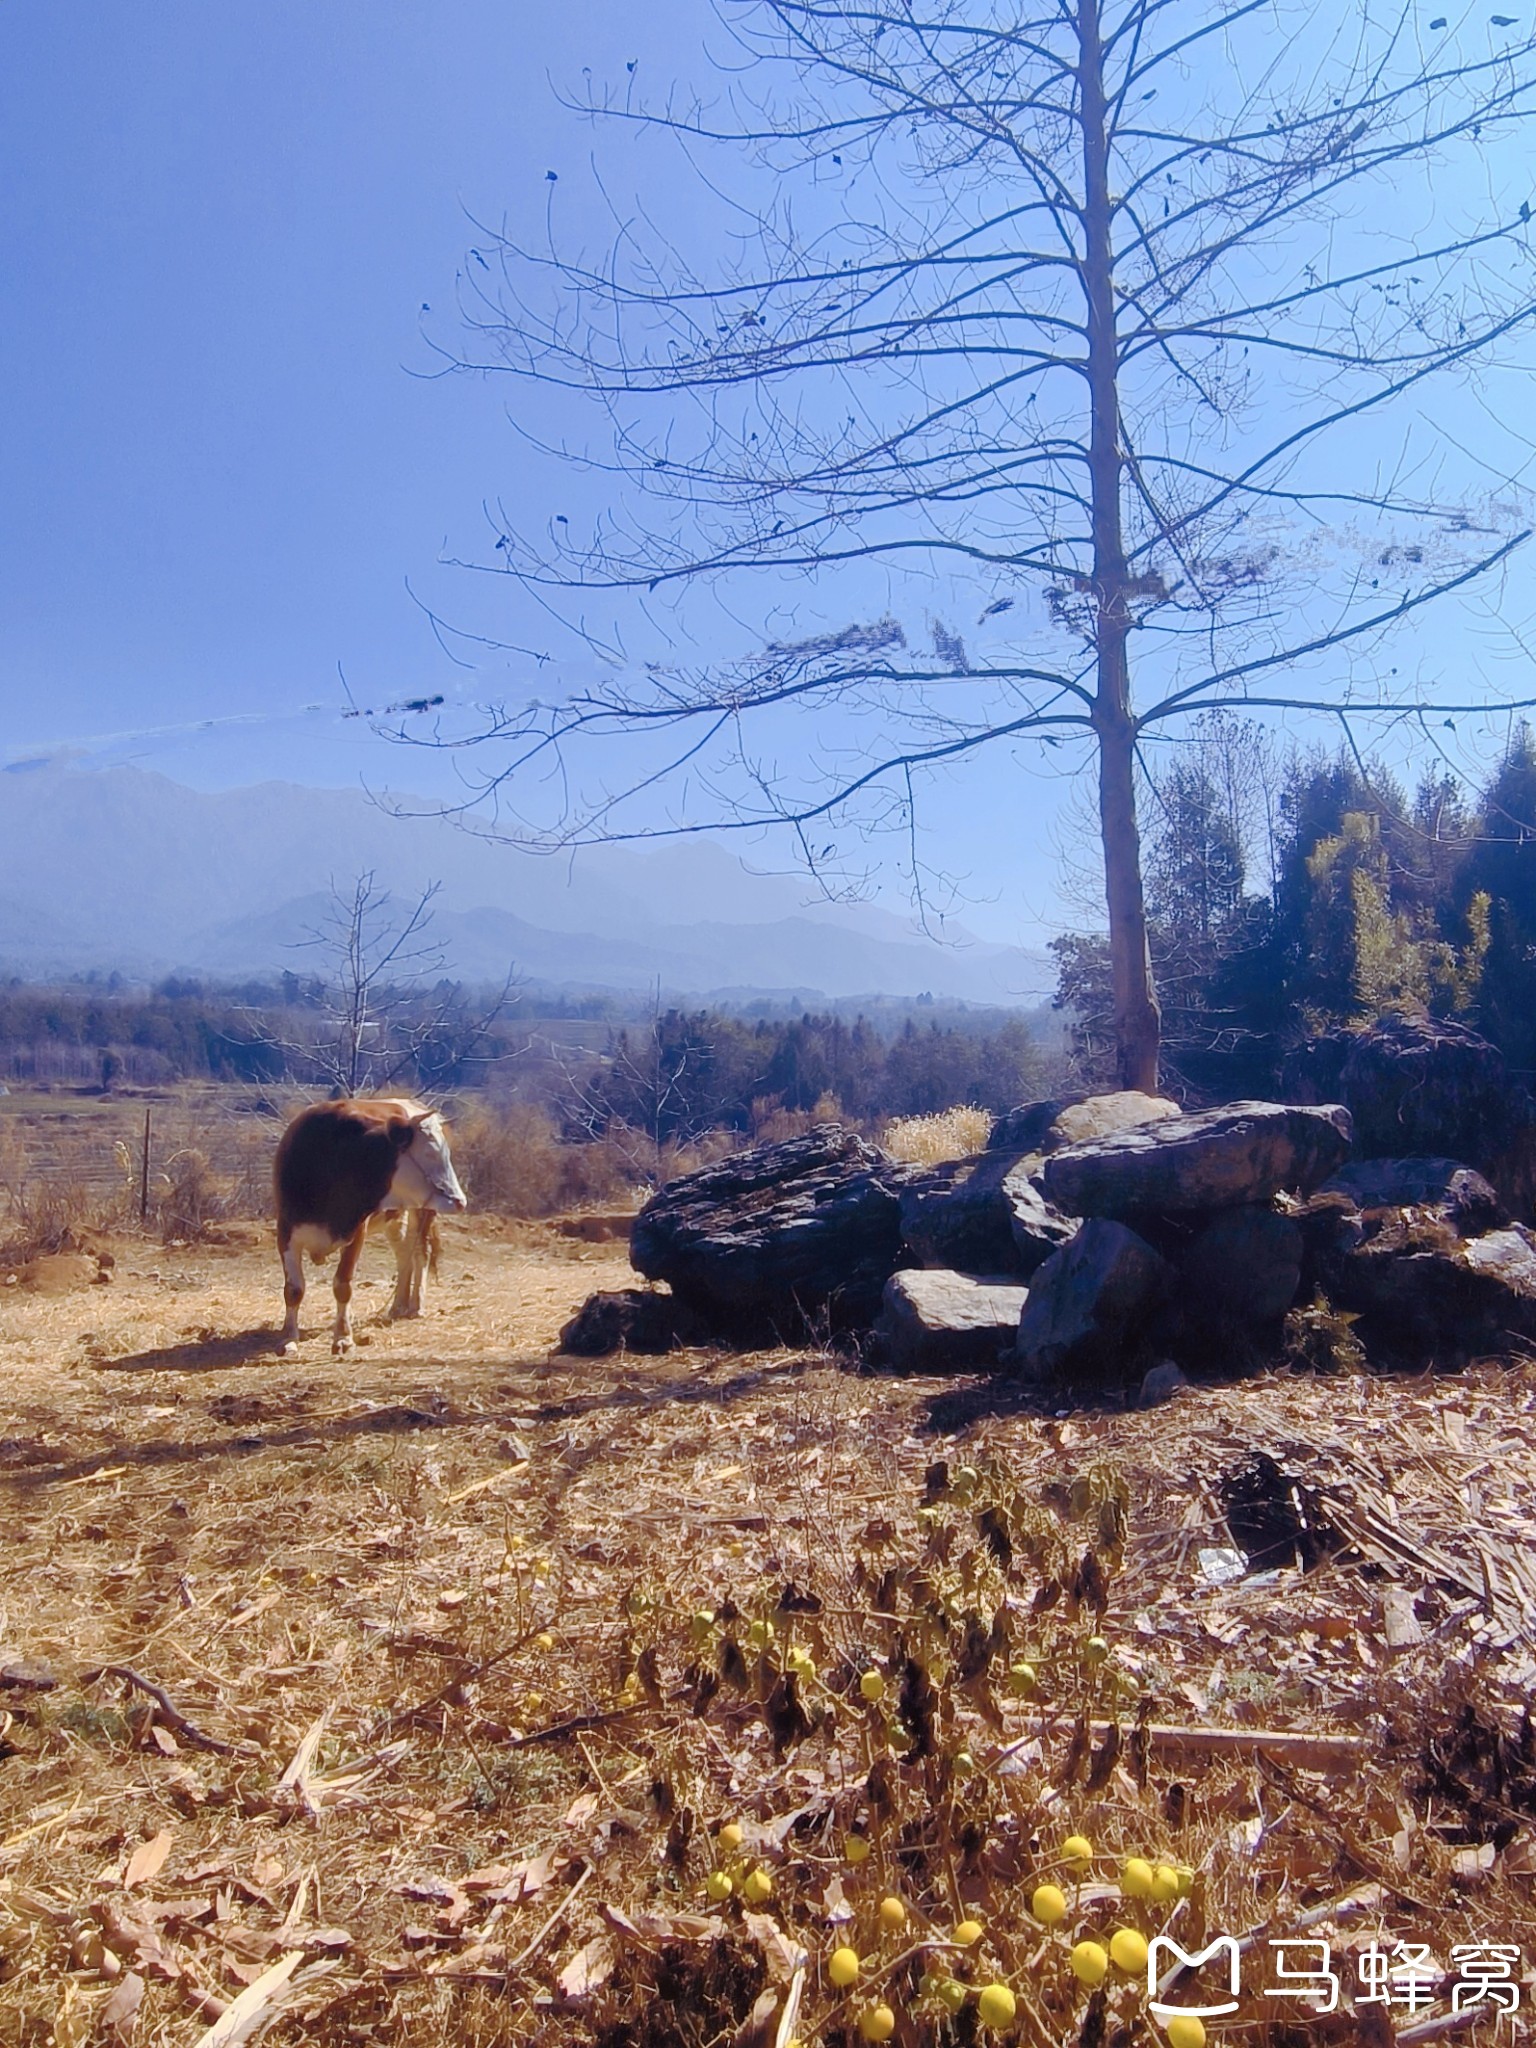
[1116,320]
[384,1003]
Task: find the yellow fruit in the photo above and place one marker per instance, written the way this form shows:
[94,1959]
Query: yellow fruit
[1128,1950]
[968,1933]
[801,1662]
[760,1634]
[951,1993]
[1022,1679]
[1090,1963]
[756,1887]
[1186,2030]
[872,1686]
[719,1887]
[877,2023]
[1077,1850]
[893,1914]
[730,1837]
[544,1639]
[701,1624]
[1136,1879]
[856,1849]
[965,1763]
[1165,1884]
[1186,1878]
[1095,1650]
[996,2006]
[843,1967]
[533,1701]
[1049,1905]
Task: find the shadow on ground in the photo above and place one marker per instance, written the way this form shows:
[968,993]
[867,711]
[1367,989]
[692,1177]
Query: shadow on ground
[32,1473]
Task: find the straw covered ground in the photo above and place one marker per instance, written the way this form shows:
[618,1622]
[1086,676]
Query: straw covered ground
[461,1692]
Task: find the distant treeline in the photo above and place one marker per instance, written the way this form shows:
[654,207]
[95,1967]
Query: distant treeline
[687,1073]
[671,1075]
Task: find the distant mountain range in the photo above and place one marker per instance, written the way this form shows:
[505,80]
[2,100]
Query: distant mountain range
[122,869]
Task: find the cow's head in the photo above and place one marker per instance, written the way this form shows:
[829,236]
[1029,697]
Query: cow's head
[424,1177]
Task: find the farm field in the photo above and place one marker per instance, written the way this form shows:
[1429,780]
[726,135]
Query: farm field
[450,1662]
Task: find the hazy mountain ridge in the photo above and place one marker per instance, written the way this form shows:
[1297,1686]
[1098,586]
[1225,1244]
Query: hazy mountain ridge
[124,869]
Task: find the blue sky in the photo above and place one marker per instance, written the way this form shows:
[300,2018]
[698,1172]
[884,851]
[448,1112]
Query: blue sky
[224,470]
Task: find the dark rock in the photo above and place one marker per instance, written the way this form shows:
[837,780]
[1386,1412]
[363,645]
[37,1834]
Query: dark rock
[1247,1152]
[631,1319]
[1453,1193]
[981,1215]
[1070,1119]
[932,1321]
[1426,1086]
[1422,1292]
[782,1237]
[1161,1384]
[1244,1265]
[1089,1303]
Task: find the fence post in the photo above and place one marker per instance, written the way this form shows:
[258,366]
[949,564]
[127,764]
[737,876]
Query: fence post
[144,1170]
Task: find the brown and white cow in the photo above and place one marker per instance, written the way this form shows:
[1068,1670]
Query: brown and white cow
[343,1165]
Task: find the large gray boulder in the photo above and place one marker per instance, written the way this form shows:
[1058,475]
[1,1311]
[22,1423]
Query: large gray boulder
[981,1215]
[1089,1304]
[1425,1086]
[1072,1119]
[1247,1152]
[933,1321]
[779,1238]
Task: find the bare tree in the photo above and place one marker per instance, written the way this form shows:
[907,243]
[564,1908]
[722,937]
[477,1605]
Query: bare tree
[385,1006]
[1116,320]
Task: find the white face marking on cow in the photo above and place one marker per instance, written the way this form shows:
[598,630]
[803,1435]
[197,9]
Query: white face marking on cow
[424,1177]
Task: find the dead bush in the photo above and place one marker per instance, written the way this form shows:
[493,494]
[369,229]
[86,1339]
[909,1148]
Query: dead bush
[513,1162]
[772,1123]
[42,1212]
[928,1140]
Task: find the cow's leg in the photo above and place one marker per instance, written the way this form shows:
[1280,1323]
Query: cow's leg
[401,1227]
[341,1329]
[293,1290]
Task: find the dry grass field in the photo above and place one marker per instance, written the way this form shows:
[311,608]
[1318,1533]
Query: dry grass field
[432,1695]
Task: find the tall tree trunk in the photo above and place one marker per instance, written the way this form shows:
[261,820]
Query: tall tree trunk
[1138,1024]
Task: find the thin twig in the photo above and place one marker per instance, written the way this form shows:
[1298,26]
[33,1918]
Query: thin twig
[171,1714]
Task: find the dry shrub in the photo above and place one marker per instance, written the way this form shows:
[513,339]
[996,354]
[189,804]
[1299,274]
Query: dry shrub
[512,1162]
[43,1212]
[928,1140]
[218,1167]
[772,1123]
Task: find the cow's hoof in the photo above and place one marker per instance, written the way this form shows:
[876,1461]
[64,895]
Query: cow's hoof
[404,1315]
[340,1346]
[288,1348]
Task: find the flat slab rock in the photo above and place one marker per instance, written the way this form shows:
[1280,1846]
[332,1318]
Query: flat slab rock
[1246,1152]
[782,1232]
[936,1321]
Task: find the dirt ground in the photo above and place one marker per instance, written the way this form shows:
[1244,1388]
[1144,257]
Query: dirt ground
[404,1697]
